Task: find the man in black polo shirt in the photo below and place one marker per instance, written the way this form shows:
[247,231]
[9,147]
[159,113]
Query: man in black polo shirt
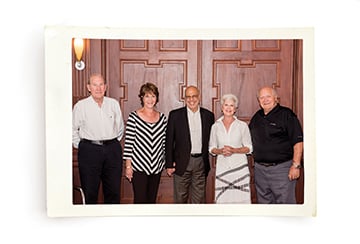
[277,139]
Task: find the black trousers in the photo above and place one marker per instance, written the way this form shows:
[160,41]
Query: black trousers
[145,187]
[100,163]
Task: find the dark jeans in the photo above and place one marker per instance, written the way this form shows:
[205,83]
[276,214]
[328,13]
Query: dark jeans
[100,164]
[145,187]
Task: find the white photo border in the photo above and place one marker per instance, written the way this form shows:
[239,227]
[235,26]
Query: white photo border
[58,113]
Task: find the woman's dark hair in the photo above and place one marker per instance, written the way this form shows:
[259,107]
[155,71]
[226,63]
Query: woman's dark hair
[148,88]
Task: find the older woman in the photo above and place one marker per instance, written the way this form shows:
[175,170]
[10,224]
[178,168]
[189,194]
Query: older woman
[230,141]
[144,149]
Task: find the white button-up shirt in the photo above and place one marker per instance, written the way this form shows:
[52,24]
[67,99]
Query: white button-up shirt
[92,122]
[194,119]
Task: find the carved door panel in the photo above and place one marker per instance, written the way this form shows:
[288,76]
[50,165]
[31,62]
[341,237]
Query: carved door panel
[242,67]
[170,64]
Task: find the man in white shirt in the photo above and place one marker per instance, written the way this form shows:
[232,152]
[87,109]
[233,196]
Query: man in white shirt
[186,146]
[98,127]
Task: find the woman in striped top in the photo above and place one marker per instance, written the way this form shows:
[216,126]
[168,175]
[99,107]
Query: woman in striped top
[144,149]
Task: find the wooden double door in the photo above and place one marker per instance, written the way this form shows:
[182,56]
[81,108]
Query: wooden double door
[216,67]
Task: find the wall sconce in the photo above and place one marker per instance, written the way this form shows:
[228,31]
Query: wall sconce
[79,49]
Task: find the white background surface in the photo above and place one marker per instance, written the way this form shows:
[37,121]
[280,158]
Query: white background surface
[23,203]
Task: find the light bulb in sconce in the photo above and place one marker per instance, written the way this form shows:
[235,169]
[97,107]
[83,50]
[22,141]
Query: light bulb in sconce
[79,49]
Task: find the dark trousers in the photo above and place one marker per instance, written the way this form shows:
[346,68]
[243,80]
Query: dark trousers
[145,187]
[191,185]
[100,163]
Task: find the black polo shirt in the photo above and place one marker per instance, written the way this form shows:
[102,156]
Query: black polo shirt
[274,135]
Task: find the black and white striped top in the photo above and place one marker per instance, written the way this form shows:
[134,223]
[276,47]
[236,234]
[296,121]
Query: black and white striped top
[145,144]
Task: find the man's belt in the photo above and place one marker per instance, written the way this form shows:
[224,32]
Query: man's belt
[267,164]
[100,142]
[270,164]
[196,155]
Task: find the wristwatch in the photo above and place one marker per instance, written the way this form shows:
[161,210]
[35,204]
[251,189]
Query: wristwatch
[297,166]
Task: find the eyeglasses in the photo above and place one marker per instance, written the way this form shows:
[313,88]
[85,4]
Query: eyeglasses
[192,97]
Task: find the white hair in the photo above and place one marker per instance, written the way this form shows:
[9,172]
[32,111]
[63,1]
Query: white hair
[273,91]
[230,97]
